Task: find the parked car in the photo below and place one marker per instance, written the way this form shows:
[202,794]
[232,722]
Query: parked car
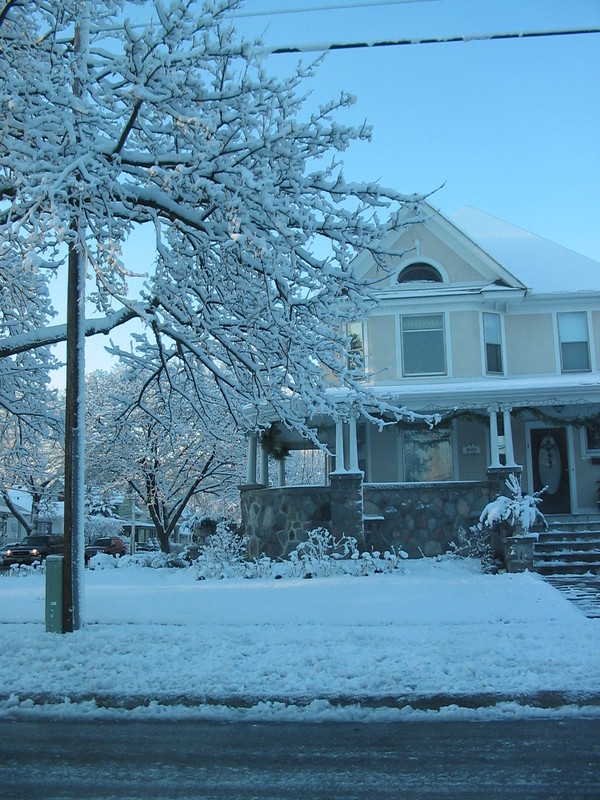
[34,548]
[111,545]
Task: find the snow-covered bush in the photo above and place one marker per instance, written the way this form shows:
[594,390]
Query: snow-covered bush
[518,508]
[101,561]
[222,555]
[376,563]
[319,554]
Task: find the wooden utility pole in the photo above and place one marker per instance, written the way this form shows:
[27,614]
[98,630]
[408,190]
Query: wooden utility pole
[73,564]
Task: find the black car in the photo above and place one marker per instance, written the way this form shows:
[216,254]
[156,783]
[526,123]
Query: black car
[34,548]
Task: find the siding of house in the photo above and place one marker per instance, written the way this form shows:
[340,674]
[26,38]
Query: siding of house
[465,336]
[383,448]
[529,344]
[381,348]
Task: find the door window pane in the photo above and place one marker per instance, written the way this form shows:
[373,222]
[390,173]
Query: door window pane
[423,347]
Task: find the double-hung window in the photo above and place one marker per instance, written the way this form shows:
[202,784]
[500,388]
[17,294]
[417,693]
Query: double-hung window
[492,336]
[574,341]
[423,345]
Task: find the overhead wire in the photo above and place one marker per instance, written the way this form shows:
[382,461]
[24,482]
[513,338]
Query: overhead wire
[329,7]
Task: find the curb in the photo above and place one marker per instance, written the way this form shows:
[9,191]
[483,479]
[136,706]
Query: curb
[543,700]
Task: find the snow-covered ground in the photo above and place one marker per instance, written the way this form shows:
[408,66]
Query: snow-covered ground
[411,643]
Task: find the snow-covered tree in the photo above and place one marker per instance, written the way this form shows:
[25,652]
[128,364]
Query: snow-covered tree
[176,124]
[144,436]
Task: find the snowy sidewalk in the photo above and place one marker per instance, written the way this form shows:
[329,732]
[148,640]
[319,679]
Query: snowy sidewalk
[440,637]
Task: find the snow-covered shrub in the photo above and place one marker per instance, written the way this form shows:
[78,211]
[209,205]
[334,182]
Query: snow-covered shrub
[377,563]
[507,512]
[476,542]
[222,555]
[101,561]
[320,553]
[518,508]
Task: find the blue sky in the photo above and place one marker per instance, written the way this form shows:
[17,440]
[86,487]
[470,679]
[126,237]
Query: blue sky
[511,127]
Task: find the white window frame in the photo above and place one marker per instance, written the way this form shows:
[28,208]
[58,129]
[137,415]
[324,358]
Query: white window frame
[585,316]
[444,332]
[586,451]
[501,344]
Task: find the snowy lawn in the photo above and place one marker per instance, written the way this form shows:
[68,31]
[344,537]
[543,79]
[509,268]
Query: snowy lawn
[325,646]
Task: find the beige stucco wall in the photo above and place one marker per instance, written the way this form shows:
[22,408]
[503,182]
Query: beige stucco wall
[430,249]
[384,454]
[529,344]
[381,348]
[471,435]
[465,342]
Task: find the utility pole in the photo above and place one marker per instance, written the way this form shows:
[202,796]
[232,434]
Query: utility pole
[73,565]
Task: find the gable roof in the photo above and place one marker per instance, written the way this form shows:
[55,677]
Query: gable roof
[543,266]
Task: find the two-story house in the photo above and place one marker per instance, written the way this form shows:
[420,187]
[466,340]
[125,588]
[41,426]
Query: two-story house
[495,330]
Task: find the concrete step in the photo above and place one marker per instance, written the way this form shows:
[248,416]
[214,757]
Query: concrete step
[570,548]
[562,568]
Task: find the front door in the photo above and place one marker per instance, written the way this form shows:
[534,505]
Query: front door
[550,464]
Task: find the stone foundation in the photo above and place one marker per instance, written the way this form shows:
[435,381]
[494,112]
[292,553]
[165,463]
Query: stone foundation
[423,519]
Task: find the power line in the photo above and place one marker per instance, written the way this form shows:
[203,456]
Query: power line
[329,7]
[478,37]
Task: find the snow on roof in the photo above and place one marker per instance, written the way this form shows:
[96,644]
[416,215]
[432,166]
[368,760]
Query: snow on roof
[543,266]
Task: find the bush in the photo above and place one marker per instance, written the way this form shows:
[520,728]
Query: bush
[222,555]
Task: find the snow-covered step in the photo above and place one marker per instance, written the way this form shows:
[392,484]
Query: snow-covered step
[567,551]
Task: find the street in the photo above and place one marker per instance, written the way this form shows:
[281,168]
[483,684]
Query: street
[167,759]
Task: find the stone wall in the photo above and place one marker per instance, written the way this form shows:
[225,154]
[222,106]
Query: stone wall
[423,519]
[420,518]
[276,520]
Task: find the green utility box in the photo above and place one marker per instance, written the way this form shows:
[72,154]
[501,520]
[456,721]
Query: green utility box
[54,594]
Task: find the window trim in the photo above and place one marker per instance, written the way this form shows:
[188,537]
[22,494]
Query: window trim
[501,344]
[587,452]
[444,333]
[585,316]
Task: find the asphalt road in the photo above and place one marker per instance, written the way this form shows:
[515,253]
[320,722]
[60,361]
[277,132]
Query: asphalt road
[181,759]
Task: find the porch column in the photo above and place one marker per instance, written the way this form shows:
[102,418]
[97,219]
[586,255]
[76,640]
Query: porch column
[494,445]
[281,471]
[353,445]
[339,447]
[508,439]
[251,459]
[264,467]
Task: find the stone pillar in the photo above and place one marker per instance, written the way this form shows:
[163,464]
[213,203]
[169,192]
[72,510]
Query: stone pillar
[251,460]
[347,506]
[339,448]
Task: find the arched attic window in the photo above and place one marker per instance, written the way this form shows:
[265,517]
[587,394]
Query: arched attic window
[420,273]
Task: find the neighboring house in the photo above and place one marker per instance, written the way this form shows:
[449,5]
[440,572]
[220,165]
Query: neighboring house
[11,530]
[498,332]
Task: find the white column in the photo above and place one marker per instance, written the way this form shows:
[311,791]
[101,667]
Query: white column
[339,447]
[281,470]
[251,459]
[508,439]
[353,445]
[264,467]
[494,446]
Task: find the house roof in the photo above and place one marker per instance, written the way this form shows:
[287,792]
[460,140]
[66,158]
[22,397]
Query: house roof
[543,266]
